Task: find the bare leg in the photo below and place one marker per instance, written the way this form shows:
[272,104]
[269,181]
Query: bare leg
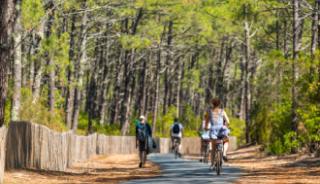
[213,150]
[225,148]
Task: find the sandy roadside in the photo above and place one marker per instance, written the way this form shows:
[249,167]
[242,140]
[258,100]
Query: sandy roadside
[272,169]
[99,169]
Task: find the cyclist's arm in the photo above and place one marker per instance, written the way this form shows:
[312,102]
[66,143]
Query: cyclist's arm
[226,118]
[182,131]
[206,117]
[206,120]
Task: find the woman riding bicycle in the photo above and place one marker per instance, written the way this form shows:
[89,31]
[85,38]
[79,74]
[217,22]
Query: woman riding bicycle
[219,122]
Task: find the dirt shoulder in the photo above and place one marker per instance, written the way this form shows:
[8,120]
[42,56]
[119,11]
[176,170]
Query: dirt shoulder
[272,169]
[99,169]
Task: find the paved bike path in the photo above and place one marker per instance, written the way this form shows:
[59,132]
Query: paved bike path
[180,171]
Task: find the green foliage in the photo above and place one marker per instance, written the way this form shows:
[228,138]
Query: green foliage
[7,116]
[279,119]
[286,144]
[291,142]
[276,147]
[134,42]
[310,115]
[37,112]
[57,49]
[164,122]
[190,121]
[237,128]
[32,13]
[106,129]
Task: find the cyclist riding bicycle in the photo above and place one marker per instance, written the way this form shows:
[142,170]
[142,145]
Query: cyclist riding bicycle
[205,148]
[176,132]
[219,122]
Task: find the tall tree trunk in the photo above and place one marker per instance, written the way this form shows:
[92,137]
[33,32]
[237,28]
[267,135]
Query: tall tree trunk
[91,92]
[210,84]
[219,70]
[129,80]
[179,87]
[44,31]
[17,69]
[52,87]
[247,53]
[314,35]
[156,93]
[128,88]
[242,93]
[167,66]
[229,50]
[114,110]
[70,93]
[286,40]
[7,14]
[37,83]
[141,96]
[296,48]
[51,65]
[318,94]
[31,65]
[79,69]
[105,81]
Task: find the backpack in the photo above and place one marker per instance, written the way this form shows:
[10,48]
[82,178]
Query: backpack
[176,128]
[141,133]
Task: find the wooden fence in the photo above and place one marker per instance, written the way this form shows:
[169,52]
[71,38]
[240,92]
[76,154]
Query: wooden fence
[3,133]
[33,146]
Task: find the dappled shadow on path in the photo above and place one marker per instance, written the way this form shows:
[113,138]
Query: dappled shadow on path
[185,171]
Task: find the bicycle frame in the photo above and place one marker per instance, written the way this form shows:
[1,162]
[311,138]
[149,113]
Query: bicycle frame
[217,160]
[176,147]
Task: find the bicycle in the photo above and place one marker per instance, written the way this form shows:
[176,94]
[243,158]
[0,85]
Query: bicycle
[175,149]
[217,157]
[205,151]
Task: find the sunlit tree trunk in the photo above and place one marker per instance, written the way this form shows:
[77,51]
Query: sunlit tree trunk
[52,67]
[17,68]
[314,35]
[156,94]
[247,58]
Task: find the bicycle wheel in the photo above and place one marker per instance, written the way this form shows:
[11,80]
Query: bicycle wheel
[206,153]
[218,162]
[176,151]
[212,158]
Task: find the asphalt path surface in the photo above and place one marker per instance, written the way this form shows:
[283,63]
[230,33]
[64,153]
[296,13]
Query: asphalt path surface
[180,171]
